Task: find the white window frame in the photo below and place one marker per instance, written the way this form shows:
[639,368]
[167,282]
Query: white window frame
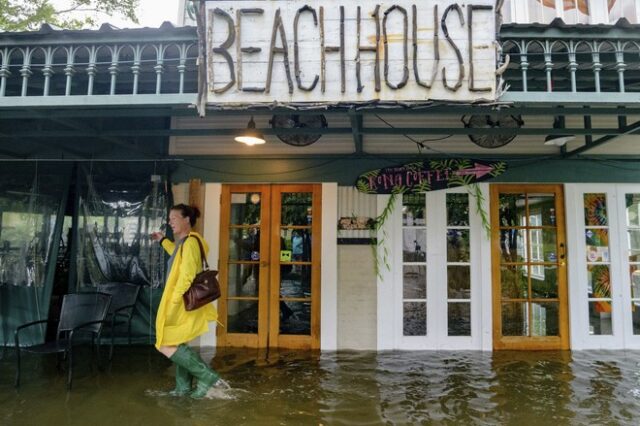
[390,283]
[622,336]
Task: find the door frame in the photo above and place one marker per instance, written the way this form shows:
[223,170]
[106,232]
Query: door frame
[269,271]
[561,342]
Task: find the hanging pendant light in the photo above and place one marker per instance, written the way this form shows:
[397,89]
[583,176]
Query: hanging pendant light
[251,136]
[555,139]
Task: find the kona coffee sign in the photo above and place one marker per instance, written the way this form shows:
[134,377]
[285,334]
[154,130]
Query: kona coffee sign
[350,51]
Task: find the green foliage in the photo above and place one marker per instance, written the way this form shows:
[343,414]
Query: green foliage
[380,244]
[24,15]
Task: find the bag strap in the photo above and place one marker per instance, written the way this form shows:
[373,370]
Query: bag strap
[205,265]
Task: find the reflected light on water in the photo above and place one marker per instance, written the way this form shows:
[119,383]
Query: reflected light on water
[334,388]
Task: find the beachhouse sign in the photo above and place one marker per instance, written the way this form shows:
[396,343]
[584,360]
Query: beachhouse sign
[424,176]
[332,51]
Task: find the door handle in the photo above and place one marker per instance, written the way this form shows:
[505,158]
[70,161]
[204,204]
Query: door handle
[563,254]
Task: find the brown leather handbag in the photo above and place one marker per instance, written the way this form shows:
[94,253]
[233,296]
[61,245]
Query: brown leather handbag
[204,288]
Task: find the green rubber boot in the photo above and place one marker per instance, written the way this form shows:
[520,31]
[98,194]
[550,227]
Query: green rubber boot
[187,358]
[183,382]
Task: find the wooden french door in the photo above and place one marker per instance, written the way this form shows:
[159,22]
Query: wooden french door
[529,267]
[270,266]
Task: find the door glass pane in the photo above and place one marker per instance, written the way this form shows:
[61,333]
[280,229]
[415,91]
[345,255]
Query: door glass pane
[414,321]
[600,318]
[597,245]
[245,208]
[512,245]
[598,282]
[295,245]
[512,209]
[595,210]
[295,318]
[515,319]
[414,244]
[634,271]
[544,281]
[459,282]
[543,207]
[458,245]
[243,280]
[295,280]
[459,319]
[414,282]
[634,246]
[549,246]
[296,208]
[544,319]
[242,316]
[457,209]
[244,244]
[514,283]
[635,316]
[413,210]
[632,202]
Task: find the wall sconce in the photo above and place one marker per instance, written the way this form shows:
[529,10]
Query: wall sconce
[558,140]
[251,136]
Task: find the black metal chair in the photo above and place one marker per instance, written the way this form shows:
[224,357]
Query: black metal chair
[82,314]
[123,300]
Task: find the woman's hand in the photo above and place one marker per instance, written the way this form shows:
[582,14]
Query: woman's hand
[157,236]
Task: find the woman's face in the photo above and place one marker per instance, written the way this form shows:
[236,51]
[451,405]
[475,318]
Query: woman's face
[179,224]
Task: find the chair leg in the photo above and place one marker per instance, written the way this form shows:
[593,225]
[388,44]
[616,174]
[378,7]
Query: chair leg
[129,331]
[111,346]
[17,366]
[70,368]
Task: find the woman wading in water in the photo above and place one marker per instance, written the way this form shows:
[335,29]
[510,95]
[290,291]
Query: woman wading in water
[174,325]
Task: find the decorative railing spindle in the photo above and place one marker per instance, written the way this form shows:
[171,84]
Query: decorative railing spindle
[159,68]
[69,70]
[25,71]
[47,71]
[548,66]
[620,66]
[573,66]
[135,68]
[92,70]
[4,72]
[524,64]
[597,65]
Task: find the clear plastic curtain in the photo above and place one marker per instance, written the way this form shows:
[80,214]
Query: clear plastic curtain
[31,215]
[118,208]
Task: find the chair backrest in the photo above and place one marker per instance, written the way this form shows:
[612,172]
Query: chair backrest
[122,294]
[80,308]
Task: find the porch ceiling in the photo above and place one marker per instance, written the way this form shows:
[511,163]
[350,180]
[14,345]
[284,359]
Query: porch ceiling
[160,132]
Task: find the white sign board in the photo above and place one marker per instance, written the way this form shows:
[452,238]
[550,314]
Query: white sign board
[329,51]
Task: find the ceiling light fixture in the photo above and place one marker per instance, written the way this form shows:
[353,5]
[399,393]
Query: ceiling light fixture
[251,136]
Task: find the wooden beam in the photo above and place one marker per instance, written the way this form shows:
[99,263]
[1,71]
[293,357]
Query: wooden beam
[628,130]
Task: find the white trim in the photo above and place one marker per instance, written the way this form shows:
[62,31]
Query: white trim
[211,231]
[387,300]
[329,268]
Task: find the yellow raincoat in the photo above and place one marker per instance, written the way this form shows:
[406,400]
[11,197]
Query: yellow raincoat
[175,325]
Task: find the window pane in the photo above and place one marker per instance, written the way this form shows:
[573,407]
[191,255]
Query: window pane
[295,318]
[595,209]
[512,209]
[515,319]
[512,245]
[459,282]
[597,245]
[545,285]
[295,245]
[598,281]
[459,319]
[635,317]
[544,319]
[244,244]
[633,209]
[634,246]
[634,271]
[542,206]
[457,209]
[413,209]
[548,246]
[513,282]
[296,208]
[243,280]
[414,243]
[295,280]
[243,316]
[414,282]
[458,245]
[600,318]
[245,208]
[414,319]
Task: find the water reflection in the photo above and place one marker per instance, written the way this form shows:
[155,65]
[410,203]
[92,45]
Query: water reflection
[338,388]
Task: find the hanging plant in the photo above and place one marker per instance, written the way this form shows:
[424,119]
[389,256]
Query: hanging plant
[378,244]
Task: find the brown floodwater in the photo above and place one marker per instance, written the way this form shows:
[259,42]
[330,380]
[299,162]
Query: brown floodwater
[334,388]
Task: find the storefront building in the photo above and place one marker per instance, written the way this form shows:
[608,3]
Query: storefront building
[490,161]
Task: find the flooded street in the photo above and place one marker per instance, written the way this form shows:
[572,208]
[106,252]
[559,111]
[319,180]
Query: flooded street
[334,388]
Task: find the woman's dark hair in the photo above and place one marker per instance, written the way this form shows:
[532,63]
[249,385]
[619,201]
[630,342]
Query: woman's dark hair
[188,211]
